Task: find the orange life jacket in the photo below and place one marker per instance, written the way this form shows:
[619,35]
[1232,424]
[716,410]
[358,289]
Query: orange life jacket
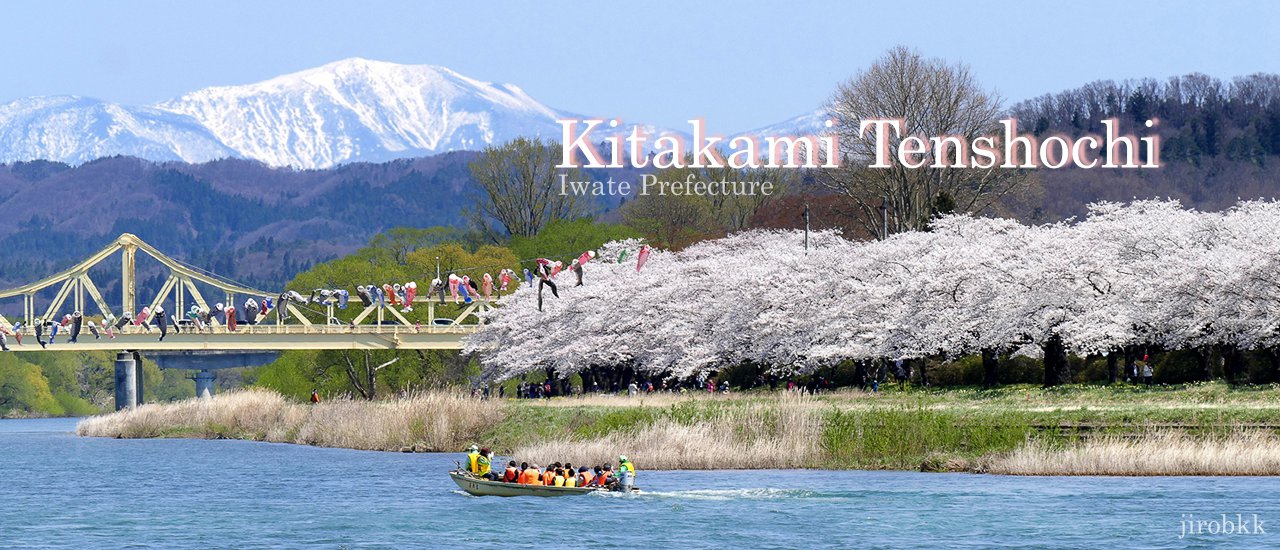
[531,477]
[585,478]
[511,476]
[549,477]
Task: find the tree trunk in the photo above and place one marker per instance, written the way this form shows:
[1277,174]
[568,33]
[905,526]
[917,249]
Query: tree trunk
[1130,357]
[1273,361]
[1204,360]
[353,375]
[1057,370]
[990,368]
[1113,360]
[924,371]
[1233,363]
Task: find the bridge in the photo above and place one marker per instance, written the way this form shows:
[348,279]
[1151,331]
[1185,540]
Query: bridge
[292,323]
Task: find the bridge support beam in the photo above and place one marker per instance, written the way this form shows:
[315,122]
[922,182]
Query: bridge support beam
[126,381]
[204,384]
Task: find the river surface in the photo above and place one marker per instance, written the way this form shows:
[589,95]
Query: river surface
[59,490]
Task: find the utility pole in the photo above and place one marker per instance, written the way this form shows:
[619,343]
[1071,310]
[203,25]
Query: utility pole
[806,226]
[437,267]
[884,218]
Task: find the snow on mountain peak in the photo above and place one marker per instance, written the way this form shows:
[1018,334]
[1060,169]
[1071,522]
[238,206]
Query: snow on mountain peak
[77,129]
[346,111]
[357,109]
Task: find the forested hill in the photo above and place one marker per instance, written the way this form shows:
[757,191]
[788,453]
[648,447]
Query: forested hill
[1220,140]
[239,218]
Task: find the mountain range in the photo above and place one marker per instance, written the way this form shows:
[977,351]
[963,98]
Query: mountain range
[354,110]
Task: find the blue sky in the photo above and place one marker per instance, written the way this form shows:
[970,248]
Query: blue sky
[740,64]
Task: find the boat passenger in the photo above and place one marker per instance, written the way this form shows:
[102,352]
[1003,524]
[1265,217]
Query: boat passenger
[485,464]
[558,480]
[598,480]
[570,479]
[549,476]
[511,475]
[585,477]
[607,476]
[531,476]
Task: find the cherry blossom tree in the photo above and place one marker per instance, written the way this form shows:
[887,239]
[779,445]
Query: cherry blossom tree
[1147,274]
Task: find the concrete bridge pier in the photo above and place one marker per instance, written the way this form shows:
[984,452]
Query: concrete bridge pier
[204,383]
[128,380]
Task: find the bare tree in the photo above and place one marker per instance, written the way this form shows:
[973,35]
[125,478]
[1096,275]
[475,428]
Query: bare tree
[672,221]
[521,190]
[933,99]
[361,372]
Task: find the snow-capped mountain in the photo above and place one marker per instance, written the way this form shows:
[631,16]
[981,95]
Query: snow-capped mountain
[347,111]
[361,110]
[78,129]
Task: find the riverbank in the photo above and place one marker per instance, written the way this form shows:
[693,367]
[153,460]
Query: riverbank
[1203,429]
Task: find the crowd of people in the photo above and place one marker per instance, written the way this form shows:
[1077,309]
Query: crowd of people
[556,474]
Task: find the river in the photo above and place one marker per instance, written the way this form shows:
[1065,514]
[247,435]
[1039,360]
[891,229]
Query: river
[59,490]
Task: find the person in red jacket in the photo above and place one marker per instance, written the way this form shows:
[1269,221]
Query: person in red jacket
[511,475]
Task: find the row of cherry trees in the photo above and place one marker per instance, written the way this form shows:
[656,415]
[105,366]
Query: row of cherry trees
[1150,273]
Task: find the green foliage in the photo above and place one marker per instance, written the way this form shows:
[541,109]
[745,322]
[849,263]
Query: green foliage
[73,405]
[342,372]
[904,438]
[24,389]
[76,383]
[565,240]
[292,374]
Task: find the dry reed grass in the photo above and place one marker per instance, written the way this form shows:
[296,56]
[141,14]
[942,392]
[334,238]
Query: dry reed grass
[437,421]
[1244,453]
[785,433]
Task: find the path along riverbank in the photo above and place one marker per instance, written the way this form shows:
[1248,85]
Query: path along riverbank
[1203,429]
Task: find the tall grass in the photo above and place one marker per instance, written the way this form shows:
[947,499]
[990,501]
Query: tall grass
[781,434]
[436,421]
[1244,453]
[1084,431]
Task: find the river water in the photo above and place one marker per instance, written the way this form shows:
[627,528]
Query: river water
[59,490]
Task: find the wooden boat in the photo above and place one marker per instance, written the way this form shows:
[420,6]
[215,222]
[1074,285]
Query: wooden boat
[483,487]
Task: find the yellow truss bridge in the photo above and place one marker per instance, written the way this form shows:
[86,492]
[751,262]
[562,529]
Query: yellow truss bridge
[286,327]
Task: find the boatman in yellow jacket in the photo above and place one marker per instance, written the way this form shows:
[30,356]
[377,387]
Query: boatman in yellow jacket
[473,460]
[626,473]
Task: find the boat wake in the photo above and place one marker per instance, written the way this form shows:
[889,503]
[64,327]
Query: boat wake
[721,494]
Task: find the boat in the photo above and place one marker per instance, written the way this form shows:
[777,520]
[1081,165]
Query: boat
[482,487]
